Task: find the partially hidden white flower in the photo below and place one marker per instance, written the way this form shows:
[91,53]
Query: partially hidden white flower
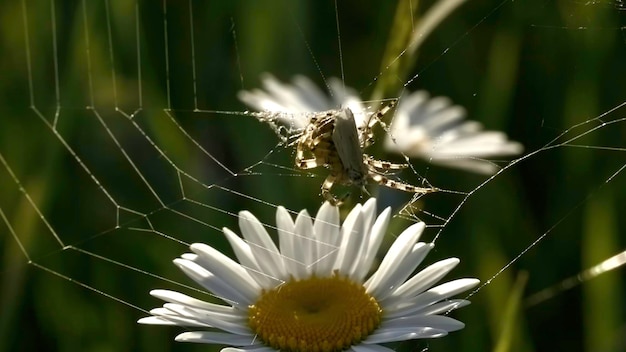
[314,291]
[436,130]
[429,128]
[300,97]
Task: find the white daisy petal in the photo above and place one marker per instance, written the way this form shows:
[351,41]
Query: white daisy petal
[393,335]
[403,269]
[402,246]
[305,246]
[289,97]
[426,278]
[345,233]
[189,256]
[317,100]
[278,94]
[483,145]
[182,299]
[254,348]
[326,228]
[286,238]
[232,317]
[375,239]
[246,258]
[370,348]
[434,107]
[265,292]
[237,327]
[433,129]
[173,321]
[292,100]
[261,244]
[454,287]
[170,312]
[369,213]
[352,253]
[441,121]
[346,97]
[222,289]
[173,309]
[217,338]
[410,305]
[159,318]
[259,100]
[224,267]
[443,307]
[348,223]
[418,321]
[413,102]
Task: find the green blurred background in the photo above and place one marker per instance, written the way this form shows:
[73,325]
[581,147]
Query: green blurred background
[531,68]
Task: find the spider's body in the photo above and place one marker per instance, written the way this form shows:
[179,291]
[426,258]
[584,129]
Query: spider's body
[333,140]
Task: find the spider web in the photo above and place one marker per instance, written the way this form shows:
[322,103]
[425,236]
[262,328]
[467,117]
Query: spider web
[123,142]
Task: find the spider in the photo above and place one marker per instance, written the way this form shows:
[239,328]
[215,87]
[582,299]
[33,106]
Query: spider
[332,139]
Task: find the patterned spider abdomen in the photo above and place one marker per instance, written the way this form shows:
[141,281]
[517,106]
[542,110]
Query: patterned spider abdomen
[348,147]
[333,140]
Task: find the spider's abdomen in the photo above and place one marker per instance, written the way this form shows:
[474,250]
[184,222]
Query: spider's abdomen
[347,145]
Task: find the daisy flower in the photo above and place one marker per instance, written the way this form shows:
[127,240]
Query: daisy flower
[436,130]
[314,292]
[301,97]
[429,128]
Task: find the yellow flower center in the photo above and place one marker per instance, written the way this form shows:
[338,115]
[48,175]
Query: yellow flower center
[315,314]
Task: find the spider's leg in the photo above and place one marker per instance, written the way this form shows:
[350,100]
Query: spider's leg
[323,141]
[306,164]
[366,136]
[301,162]
[382,164]
[325,124]
[305,144]
[321,157]
[384,181]
[326,186]
[364,190]
[378,115]
[294,140]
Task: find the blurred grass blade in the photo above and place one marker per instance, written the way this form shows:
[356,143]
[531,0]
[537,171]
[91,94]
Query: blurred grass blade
[602,298]
[511,318]
[408,32]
